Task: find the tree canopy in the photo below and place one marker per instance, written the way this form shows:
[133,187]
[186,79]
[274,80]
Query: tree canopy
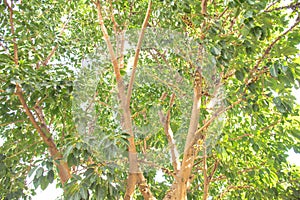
[102,96]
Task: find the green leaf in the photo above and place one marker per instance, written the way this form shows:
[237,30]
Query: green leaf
[76,196]
[84,193]
[31,171]
[239,75]
[3,169]
[100,192]
[44,182]
[39,172]
[68,151]
[274,70]
[277,101]
[89,171]
[215,51]
[72,160]
[36,182]
[50,176]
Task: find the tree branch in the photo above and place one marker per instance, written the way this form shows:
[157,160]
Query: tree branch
[6,50]
[292,6]
[271,4]
[12,30]
[213,171]
[45,62]
[108,43]
[112,17]
[165,120]
[208,122]
[241,136]
[14,122]
[182,182]
[135,175]
[267,51]
[252,135]
[231,187]
[204,7]
[205,172]
[137,51]
[224,11]
[222,177]
[64,171]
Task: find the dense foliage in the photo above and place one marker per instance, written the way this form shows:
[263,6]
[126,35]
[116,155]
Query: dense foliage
[249,64]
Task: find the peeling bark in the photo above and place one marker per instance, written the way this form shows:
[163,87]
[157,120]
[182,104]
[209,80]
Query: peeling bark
[135,177]
[183,178]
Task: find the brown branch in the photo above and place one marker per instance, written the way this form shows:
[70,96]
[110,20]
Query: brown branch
[231,187]
[222,177]
[165,120]
[135,176]
[120,49]
[224,11]
[204,7]
[205,172]
[45,62]
[12,30]
[241,136]
[270,126]
[108,43]
[208,122]
[14,122]
[182,182]
[252,135]
[267,51]
[64,171]
[271,4]
[142,184]
[214,169]
[112,17]
[292,6]
[137,51]
[39,112]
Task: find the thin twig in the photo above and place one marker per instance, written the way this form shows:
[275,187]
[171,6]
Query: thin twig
[14,122]
[229,188]
[291,6]
[165,120]
[6,51]
[222,176]
[112,17]
[224,11]
[213,171]
[45,62]
[267,51]
[241,136]
[23,149]
[271,4]
[137,51]
[247,82]
[205,172]
[12,30]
